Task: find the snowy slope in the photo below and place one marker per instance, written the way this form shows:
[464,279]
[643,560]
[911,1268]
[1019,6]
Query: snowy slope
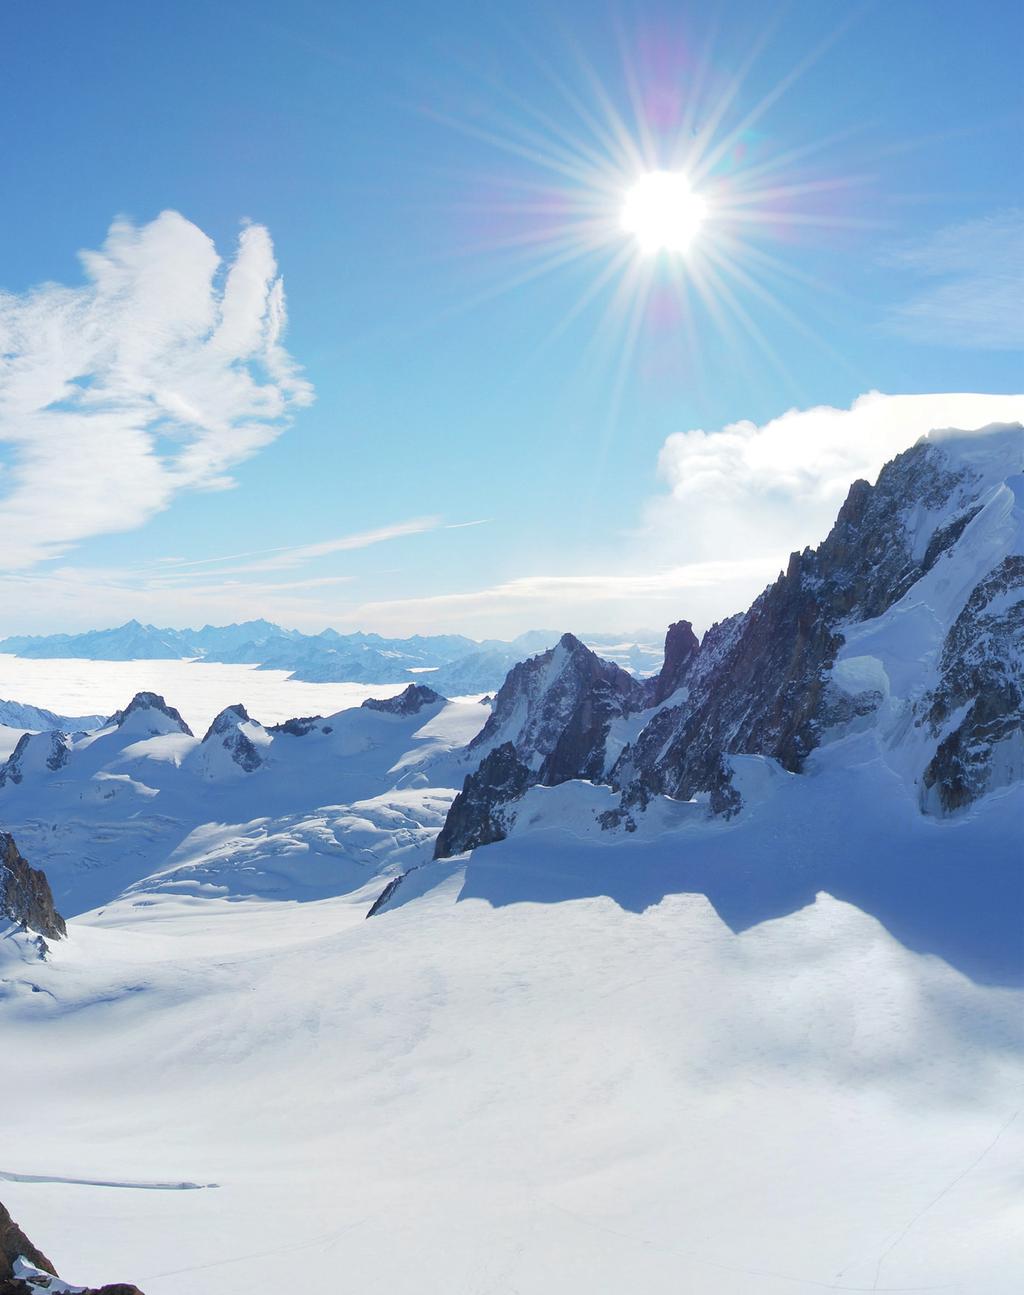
[322,802]
[760,1034]
[454,1098]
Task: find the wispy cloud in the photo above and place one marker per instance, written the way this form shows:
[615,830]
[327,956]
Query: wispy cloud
[974,285]
[735,502]
[285,557]
[158,375]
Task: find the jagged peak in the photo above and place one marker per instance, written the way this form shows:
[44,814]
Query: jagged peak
[50,750]
[230,717]
[409,702]
[143,701]
[681,649]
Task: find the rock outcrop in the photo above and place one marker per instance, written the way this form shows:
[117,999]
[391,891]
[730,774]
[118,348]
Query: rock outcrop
[550,723]
[153,714]
[42,751]
[761,683]
[681,648]
[229,732]
[25,896]
[25,1270]
[409,702]
[15,1245]
[977,711]
[478,814]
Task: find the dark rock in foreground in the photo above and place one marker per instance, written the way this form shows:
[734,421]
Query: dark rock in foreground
[24,1270]
[25,895]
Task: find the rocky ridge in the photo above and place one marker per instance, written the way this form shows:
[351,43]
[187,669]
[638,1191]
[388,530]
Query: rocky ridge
[25,896]
[763,683]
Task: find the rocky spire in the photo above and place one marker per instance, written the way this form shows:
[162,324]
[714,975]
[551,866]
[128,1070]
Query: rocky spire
[151,701]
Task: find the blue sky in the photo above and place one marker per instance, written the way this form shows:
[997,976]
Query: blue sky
[628,459]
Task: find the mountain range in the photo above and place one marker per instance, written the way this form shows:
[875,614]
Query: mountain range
[456,665]
[784,869]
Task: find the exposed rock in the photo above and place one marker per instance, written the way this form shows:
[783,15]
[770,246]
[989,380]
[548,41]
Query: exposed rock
[409,702]
[228,731]
[479,813]
[25,895]
[297,727]
[549,724]
[35,751]
[150,701]
[14,1245]
[25,1270]
[387,892]
[977,711]
[760,683]
[681,648]
[556,707]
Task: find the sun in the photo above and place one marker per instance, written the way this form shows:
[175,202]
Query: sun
[663,213]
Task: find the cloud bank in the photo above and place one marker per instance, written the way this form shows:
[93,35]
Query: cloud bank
[761,491]
[735,503]
[157,375]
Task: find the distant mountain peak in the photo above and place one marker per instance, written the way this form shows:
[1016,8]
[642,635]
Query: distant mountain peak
[144,703]
[409,702]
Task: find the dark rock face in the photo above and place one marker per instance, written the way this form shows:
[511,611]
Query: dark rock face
[226,731]
[387,892]
[681,648]
[297,727]
[143,701]
[758,683]
[25,895]
[15,1245]
[549,724]
[53,750]
[478,814]
[409,702]
[981,692]
[556,708]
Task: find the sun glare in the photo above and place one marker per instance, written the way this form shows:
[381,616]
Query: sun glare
[663,213]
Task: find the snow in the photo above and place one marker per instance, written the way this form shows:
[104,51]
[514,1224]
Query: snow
[735,1056]
[455,1097]
[200,690]
[548,1065]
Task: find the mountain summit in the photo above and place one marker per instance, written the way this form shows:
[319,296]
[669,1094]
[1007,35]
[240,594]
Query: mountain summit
[906,620]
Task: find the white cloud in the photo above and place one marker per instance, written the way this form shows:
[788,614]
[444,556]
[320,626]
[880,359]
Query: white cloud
[976,274]
[159,374]
[751,491]
[736,503]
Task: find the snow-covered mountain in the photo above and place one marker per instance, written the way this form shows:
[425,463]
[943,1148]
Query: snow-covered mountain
[462,666]
[708,980]
[895,646]
[307,808]
[906,622]
[16,714]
